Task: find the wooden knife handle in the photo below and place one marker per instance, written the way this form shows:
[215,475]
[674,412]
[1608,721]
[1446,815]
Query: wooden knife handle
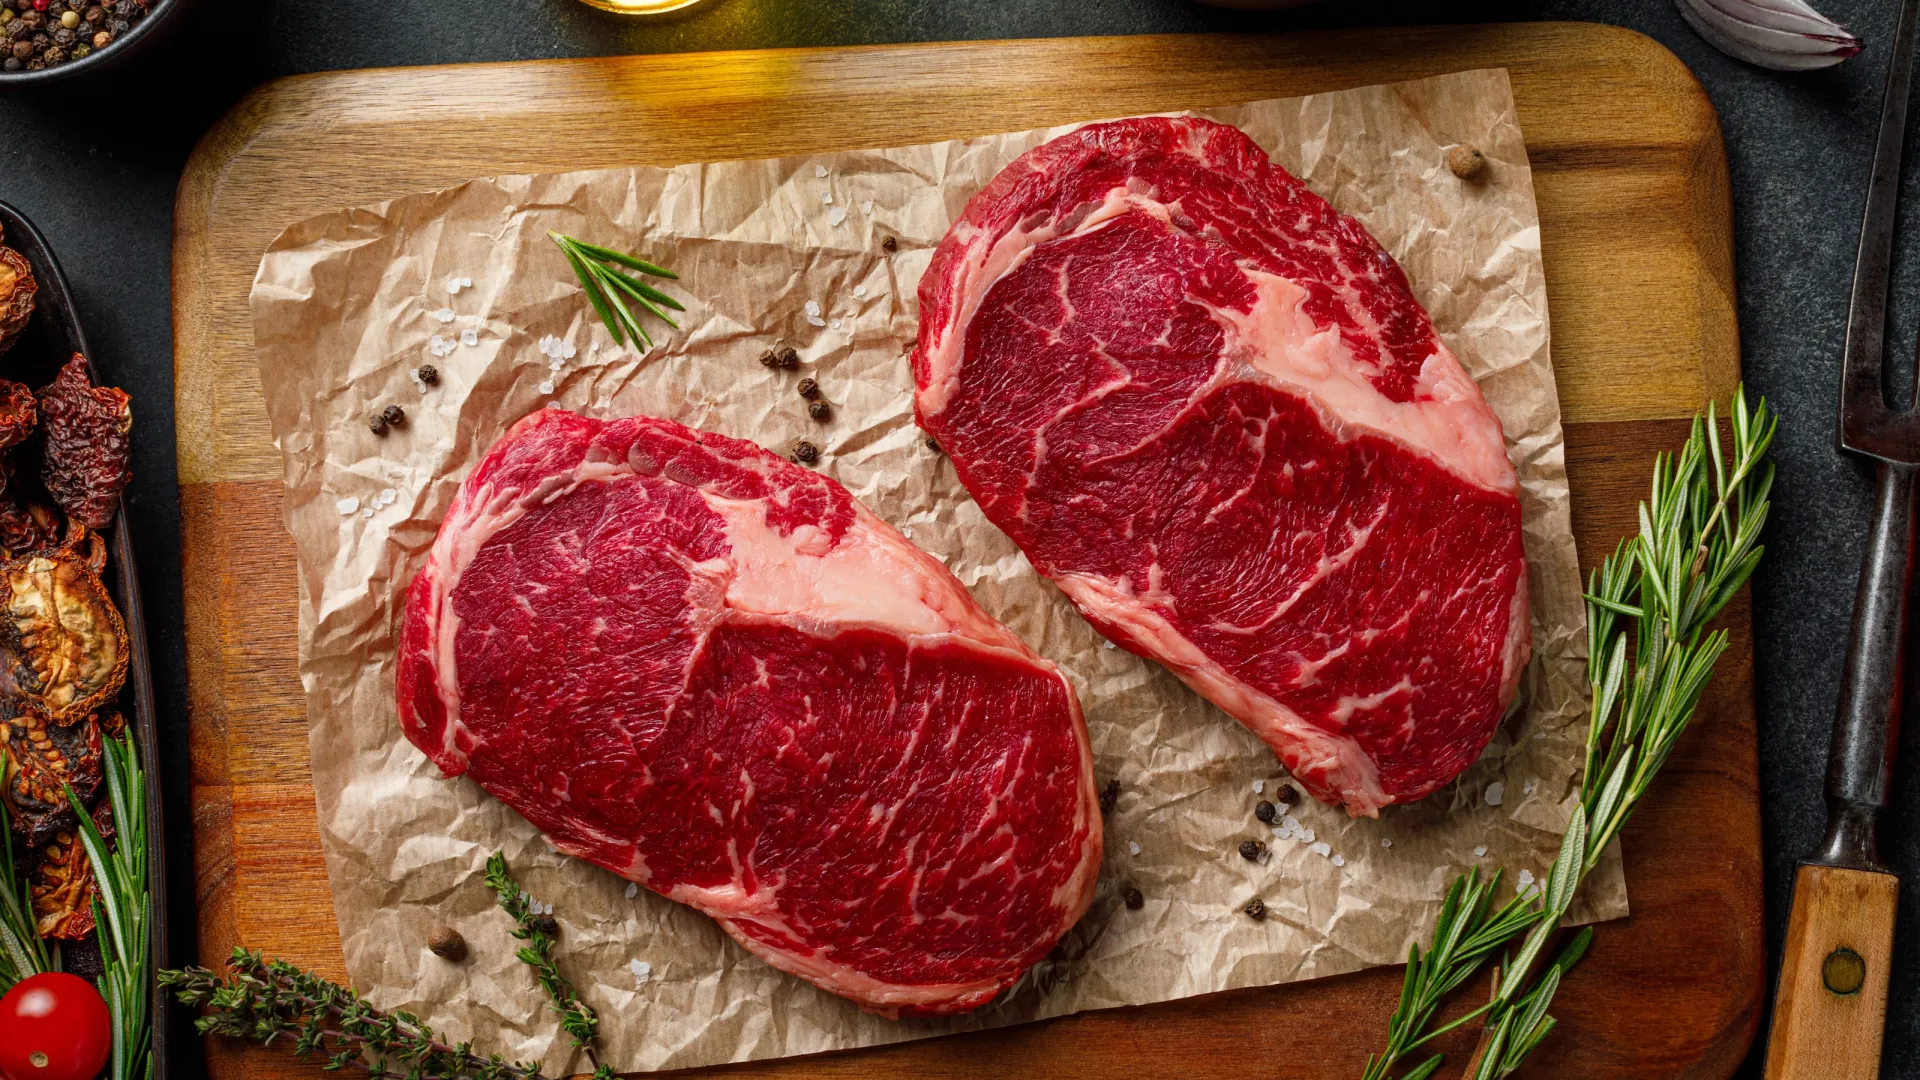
[1831,1011]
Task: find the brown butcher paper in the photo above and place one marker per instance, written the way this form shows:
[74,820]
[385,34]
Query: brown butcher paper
[347,306]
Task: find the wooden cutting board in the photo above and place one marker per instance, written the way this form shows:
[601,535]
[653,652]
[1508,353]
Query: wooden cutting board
[1631,179]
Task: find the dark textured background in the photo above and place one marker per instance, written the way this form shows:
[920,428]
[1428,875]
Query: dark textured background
[96,169]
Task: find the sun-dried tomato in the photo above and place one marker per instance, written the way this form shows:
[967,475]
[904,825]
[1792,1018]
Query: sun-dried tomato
[64,641]
[87,444]
[16,295]
[17,414]
[27,527]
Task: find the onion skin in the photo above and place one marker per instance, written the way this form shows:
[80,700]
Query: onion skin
[1785,35]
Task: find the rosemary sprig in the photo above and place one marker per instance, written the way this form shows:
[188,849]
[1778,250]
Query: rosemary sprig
[122,906]
[22,953]
[1698,544]
[577,1018]
[273,1000]
[609,290]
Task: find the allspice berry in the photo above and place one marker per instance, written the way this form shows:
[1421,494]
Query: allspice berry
[1133,899]
[1466,162]
[447,944]
[820,410]
[394,415]
[1256,909]
[806,453]
[787,357]
[890,245]
[547,925]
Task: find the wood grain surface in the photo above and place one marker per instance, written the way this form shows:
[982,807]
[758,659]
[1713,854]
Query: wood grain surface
[1631,180]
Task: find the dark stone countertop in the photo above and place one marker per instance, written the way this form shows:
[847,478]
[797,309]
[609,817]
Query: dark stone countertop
[96,169]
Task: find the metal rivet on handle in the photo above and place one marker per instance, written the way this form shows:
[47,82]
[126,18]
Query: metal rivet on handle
[1843,971]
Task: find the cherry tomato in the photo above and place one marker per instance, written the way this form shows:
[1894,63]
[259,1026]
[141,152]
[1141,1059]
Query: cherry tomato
[54,1027]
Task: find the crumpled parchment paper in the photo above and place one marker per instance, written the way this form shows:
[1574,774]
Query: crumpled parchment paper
[347,305]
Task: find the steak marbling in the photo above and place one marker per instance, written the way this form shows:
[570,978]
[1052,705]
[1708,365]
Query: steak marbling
[1210,409]
[718,675]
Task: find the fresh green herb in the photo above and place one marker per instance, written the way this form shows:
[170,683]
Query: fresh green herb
[271,999]
[21,951]
[122,907]
[577,1018]
[1698,544]
[610,291]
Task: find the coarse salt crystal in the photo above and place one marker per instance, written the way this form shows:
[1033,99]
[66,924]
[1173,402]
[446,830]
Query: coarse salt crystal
[867,207]
[835,324]
[439,346]
[387,495]
[859,291]
[444,314]
[555,364]
[1259,786]
[1386,841]
[1292,823]
[836,216]
[1280,833]
[367,513]
[826,198]
[906,532]
[1480,852]
[1133,848]
[1339,860]
[816,320]
[1322,849]
[632,890]
[1107,645]
[347,506]
[469,337]
[819,170]
[813,307]
[1526,879]
[546,387]
[642,971]
[567,351]
[453,285]
[1496,791]
[1527,788]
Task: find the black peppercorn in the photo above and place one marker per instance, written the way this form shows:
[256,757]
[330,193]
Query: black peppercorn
[770,358]
[1133,899]
[80,50]
[933,444]
[33,20]
[447,944]
[62,36]
[394,415]
[788,358]
[429,374]
[18,29]
[118,27]
[890,245]
[377,424]
[1251,850]
[1110,796]
[94,14]
[806,452]
[1285,795]
[809,389]
[12,63]
[1257,908]
[1264,811]
[125,9]
[546,924]
[820,410]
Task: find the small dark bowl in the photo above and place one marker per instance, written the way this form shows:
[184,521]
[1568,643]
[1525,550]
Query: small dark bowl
[50,338]
[161,20]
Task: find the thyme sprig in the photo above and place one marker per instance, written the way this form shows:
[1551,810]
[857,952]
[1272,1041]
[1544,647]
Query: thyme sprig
[272,1000]
[577,1018]
[1650,655]
[610,291]
[123,916]
[22,953]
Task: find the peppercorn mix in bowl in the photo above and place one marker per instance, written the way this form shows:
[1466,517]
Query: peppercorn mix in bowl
[52,41]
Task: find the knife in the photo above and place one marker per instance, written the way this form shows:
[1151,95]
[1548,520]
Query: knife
[1830,1011]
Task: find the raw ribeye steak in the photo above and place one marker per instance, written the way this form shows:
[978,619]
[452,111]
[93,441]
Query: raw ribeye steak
[1209,408]
[716,674]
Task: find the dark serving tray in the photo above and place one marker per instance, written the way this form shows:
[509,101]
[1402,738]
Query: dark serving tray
[52,336]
